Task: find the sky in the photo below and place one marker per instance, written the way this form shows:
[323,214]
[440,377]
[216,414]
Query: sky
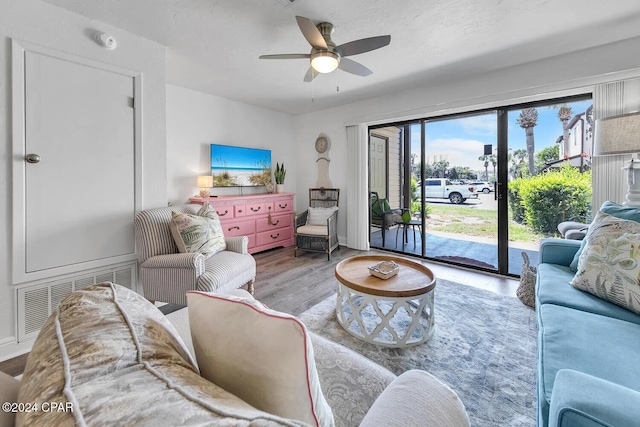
[230,157]
[462,140]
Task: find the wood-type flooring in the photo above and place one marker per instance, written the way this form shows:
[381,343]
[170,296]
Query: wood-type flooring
[294,284]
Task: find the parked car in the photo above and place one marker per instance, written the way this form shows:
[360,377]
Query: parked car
[485,187]
[442,188]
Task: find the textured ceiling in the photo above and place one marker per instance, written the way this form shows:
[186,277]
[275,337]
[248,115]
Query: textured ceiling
[213,45]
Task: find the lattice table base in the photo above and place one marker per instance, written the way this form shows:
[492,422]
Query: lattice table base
[386,321]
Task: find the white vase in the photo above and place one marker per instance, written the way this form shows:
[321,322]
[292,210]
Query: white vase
[279,188]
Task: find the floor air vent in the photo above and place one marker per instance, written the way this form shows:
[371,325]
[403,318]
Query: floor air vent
[37,302]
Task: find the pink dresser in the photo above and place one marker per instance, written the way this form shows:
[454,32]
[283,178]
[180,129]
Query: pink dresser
[267,219]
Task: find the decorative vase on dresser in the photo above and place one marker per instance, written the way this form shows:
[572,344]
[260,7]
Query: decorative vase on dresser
[267,219]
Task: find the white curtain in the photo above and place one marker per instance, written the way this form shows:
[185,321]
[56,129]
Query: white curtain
[357,187]
[609,180]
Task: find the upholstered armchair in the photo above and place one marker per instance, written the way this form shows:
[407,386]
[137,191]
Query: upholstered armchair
[167,275]
[316,229]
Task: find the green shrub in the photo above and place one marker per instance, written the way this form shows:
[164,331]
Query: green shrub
[553,197]
[515,199]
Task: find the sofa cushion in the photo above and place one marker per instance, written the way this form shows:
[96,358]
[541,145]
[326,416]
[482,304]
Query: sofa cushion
[553,287]
[197,233]
[574,339]
[609,265]
[613,209]
[226,271]
[417,395]
[260,355]
[114,358]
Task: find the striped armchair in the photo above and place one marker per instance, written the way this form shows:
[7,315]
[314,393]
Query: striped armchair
[167,275]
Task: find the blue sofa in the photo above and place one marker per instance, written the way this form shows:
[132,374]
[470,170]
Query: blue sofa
[588,349]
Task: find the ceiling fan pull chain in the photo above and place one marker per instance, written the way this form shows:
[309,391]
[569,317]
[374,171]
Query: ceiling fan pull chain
[313,90]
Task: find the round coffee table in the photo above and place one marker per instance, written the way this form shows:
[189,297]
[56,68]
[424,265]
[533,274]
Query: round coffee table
[394,312]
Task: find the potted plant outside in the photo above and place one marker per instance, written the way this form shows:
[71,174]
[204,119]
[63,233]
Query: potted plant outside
[279,175]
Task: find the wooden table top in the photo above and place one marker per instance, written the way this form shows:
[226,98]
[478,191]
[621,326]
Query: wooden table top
[413,278]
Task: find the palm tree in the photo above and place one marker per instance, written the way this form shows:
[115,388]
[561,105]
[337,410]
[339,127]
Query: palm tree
[485,158]
[527,120]
[441,166]
[517,157]
[564,114]
[494,162]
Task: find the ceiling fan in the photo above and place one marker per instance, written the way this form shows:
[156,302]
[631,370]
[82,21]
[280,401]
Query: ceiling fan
[325,56]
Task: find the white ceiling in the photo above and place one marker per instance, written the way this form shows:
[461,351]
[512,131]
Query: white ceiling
[213,45]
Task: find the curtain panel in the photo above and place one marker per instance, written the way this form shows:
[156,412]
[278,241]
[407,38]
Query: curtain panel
[357,187]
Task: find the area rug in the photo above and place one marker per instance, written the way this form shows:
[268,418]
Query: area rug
[484,347]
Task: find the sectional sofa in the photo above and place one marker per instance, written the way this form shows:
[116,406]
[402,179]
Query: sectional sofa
[588,347]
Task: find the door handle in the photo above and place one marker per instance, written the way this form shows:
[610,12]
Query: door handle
[32,158]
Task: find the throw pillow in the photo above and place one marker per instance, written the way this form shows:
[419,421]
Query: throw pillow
[615,210]
[378,206]
[319,216]
[260,355]
[198,233]
[608,267]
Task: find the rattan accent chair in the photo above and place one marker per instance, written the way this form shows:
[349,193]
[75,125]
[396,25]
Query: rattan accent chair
[313,236]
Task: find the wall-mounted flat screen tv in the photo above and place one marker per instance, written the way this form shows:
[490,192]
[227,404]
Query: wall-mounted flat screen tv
[240,166]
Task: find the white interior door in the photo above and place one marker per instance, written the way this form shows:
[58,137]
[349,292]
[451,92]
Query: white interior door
[79,198]
[378,165]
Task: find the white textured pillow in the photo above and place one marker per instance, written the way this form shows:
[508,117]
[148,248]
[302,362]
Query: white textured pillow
[198,233]
[262,356]
[610,262]
[319,216]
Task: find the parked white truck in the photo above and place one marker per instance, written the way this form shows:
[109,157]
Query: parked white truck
[442,188]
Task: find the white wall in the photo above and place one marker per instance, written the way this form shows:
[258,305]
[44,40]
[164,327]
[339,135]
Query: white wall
[559,76]
[43,24]
[196,119]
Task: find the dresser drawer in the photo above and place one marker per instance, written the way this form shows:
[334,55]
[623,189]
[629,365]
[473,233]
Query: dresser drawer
[224,211]
[252,209]
[239,228]
[283,206]
[277,221]
[272,236]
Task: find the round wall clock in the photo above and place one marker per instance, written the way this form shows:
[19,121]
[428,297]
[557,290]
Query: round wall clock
[322,145]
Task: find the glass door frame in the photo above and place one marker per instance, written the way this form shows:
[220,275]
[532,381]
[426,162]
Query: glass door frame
[502,170]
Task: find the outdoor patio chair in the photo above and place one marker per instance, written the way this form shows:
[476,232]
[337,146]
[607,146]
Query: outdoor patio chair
[382,215]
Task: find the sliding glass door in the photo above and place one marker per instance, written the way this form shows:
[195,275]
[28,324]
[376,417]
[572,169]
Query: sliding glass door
[463,182]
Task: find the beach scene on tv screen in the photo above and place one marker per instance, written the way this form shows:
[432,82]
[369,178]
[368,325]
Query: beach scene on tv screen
[233,166]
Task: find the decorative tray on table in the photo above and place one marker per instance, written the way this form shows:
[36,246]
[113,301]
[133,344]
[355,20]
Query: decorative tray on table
[384,269]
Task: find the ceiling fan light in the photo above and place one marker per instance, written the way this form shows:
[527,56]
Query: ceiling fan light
[325,62]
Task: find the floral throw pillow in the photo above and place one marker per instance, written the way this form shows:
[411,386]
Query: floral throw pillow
[609,264]
[198,233]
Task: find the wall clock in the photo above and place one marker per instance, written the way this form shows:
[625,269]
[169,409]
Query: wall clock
[322,145]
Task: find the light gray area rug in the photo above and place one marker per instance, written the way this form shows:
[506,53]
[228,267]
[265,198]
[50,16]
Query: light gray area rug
[484,347]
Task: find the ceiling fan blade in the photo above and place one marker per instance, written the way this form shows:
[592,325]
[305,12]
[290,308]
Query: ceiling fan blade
[363,45]
[286,56]
[354,67]
[311,33]
[311,74]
